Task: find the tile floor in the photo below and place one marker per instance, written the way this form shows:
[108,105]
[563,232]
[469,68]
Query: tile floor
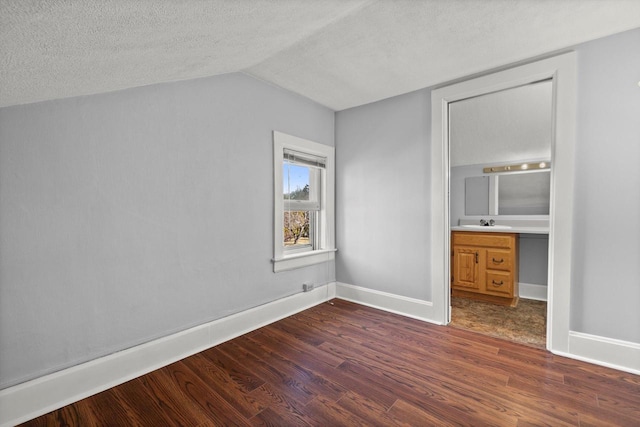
[525,323]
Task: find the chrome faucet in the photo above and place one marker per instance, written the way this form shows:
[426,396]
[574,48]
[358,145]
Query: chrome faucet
[483,222]
[486,223]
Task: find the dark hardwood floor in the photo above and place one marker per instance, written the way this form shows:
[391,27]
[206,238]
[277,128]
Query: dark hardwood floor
[346,364]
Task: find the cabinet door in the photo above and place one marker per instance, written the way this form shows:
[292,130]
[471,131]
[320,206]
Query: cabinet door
[466,268]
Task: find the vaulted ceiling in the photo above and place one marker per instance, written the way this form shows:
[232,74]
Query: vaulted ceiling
[340,53]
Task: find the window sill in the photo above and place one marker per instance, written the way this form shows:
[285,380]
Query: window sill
[303,259]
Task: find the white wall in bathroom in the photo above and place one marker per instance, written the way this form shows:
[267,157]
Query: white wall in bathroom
[502,126]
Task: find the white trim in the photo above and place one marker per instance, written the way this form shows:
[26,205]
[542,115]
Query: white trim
[440,224]
[532,291]
[303,259]
[612,353]
[326,241]
[31,399]
[562,69]
[405,306]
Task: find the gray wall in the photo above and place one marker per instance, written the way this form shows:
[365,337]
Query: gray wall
[131,215]
[378,150]
[382,195]
[606,264]
[533,266]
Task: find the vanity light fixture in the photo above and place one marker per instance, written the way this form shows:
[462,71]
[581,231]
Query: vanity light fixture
[518,167]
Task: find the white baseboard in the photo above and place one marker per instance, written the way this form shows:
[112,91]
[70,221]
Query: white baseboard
[409,307]
[33,398]
[612,353]
[532,291]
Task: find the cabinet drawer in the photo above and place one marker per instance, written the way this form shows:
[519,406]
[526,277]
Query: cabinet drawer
[492,240]
[499,283]
[499,260]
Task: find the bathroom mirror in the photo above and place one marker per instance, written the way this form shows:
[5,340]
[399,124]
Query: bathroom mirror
[508,194]
[476,195]
[524,193]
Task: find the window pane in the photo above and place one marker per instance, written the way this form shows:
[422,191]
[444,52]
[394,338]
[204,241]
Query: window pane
[297,228]
[296,184]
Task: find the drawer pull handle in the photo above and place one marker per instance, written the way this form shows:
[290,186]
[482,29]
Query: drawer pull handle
[497,261]
[500,283]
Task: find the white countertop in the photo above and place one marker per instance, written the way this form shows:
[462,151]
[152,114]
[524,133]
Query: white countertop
[522,226]
[521,230]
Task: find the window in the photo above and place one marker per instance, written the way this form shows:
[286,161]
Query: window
[304,202]
[301,178]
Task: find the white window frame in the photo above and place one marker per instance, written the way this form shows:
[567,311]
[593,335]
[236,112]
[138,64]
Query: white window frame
[325,238]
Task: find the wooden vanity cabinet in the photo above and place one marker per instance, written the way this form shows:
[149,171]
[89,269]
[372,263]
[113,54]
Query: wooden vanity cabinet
[484,265]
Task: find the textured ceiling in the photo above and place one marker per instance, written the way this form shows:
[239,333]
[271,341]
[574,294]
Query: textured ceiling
[340,53]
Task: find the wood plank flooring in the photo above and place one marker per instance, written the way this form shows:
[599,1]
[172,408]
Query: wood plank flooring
[346,364]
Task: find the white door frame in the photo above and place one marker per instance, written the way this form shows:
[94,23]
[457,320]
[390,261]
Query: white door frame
[562,70]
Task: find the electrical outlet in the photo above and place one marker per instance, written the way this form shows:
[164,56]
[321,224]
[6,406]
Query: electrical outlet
[306,287]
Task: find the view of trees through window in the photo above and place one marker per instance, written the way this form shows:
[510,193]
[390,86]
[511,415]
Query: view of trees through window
[296,228]
[297,222]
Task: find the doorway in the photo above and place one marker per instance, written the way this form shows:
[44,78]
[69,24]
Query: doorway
[561,70]
[497,142]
